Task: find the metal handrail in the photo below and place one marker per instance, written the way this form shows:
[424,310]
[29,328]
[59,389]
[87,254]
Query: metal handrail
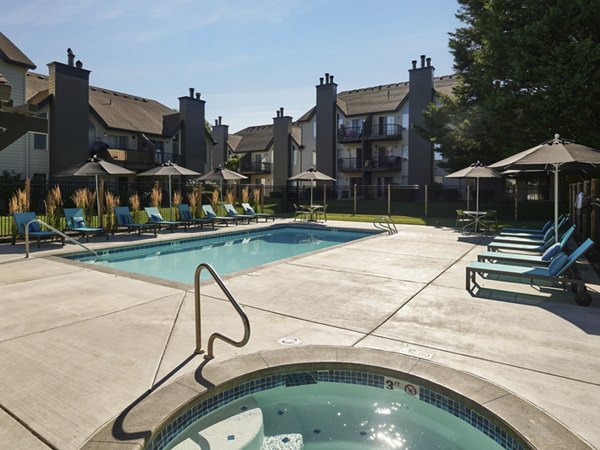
[385,223]
[60,233]
[232,300]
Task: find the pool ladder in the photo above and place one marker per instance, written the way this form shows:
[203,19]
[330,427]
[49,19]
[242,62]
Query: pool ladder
[385,223]
[232,300]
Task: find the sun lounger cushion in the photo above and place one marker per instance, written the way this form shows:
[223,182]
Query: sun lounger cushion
[186,214]
[156,217]
[125,219]
[78,222]
[34,227]
[557,264]
[551,252]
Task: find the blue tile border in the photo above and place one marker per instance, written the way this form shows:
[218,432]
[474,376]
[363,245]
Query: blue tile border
[500,435]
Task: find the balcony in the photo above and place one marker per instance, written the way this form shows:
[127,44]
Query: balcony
[350,134]
[349,165]
[376,132]
[255,167]
[141,159]
[386,131]
[384,163]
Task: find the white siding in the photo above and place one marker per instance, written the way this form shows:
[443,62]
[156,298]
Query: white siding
[12,158]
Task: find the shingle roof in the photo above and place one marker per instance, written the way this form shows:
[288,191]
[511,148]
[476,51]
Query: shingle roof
[258,138]
[115,109]
[9,52]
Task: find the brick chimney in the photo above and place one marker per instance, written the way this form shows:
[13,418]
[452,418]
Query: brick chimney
[326,125]
[193,142]
[282,131]
[220,133]
[69,114]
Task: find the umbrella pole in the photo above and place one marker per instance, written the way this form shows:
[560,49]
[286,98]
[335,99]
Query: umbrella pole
[170,201]
[97,200]
[556,203]
[311,194]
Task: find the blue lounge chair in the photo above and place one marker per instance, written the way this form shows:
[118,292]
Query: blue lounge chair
[76,222]
[34,229]
[561,271]
[232,212]
[124,220]
[248,210]
[563,223]
[562,220]
[524,247]
[156,218]
[210,213]
[186,215]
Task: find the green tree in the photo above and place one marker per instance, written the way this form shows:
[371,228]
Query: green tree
[527,69]
[233,163]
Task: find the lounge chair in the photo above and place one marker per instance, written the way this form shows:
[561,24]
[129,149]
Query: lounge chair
[232,212]
[76,222]
[125,220]
[520,258]
[250,211]
[156,218]
[528,247]
[561,272]
[562,220]
[186,215]
[35,230]
[210,213]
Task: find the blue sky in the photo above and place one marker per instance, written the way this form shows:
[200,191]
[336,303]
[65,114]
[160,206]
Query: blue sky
[246,57]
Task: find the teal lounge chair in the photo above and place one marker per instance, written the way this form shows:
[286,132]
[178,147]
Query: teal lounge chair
[35,230]
[186,215]
[562,220]
[527,247]
[563,223]
[125,220]
[248,210]
[155,217]
[561,272]
[232,212]
[520,258]
[210,213]
[76,222]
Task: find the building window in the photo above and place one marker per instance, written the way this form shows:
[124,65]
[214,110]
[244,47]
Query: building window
[314,127]
[314,158]
[176,148]
[294,157]
[40,141]
[438,179]
[404,152]
[405,120]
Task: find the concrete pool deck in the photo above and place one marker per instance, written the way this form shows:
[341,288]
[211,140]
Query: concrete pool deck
[77,346]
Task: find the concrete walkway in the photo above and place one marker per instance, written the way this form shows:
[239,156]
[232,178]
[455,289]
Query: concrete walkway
[77,345]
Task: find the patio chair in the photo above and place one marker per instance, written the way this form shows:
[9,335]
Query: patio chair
[210,213]
[35,230]
[250,211]
[125,220]
[461,220]
[76,222]
[528,247]
[490,220]
[560,272]
[185,214]
[157,219]
[301,213]
[232,212]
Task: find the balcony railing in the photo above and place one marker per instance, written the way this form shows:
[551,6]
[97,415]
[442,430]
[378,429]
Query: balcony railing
[349,164]
[384,163]
[139,158]
[386,131]
[255,167]
[377,131]
[347,134]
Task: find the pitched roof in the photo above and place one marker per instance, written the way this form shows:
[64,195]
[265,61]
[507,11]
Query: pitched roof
[115,109]
[9,52]
[379,99]
[258,138]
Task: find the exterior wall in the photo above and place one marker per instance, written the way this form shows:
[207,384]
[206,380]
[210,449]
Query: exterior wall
[193,143]
[13,157]
[37,161]
[309,145]
[282,128]
[326,126]
[218,153]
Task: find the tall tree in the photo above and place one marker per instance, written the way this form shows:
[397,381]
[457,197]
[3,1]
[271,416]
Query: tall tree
[527,69]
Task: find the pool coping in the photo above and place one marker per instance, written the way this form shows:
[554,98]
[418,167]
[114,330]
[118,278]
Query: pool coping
[141,421]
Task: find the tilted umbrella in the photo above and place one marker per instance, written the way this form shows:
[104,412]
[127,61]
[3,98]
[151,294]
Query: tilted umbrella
[553,155]
[93,167]
[476,170]
[311,174]
[168,169]
[221,174]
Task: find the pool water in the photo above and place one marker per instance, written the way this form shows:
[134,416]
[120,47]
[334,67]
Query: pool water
[332,416]
[228,253]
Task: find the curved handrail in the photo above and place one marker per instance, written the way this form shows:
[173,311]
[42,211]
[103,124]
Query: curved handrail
[232,300]
[385,223]
[60,233]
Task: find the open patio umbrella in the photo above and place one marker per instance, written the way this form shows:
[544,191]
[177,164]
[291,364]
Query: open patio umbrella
[221,174]
[92,167]
[311,174]
[553,155]
[476,170]
[168,169]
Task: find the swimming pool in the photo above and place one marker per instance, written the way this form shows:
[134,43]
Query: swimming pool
[227,253]
[334,409]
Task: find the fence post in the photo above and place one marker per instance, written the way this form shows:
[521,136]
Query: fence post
[389,199]
[594,196]
[426,199]
[101,203]
[28,193]
[516,200]
[354,198]
[586,217]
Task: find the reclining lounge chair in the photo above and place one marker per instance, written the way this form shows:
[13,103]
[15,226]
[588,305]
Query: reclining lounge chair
[76,222]
[528,247]
[156,218]
[185,214]
[34,229]
[232,212]
[210,213]
[250,212]
[561,272]
[124,220]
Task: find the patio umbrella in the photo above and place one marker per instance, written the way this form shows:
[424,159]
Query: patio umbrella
[221,174]
[553,155]
[92,167]
[476,170]
[311,174]
[168,169]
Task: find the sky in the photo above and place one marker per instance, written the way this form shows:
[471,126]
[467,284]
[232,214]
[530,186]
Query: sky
[247,58]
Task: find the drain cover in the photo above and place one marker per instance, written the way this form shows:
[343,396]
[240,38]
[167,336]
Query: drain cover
[289,341]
